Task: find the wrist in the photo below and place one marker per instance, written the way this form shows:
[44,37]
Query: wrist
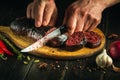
[103,4]
[44,0]
[108,3]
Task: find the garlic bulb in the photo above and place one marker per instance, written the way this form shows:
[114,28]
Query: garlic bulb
[103,60]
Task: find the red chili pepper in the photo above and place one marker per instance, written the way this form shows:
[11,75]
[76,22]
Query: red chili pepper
[1,51]
[2,54]
[4,48]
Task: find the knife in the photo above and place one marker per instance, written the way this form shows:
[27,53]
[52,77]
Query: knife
[41,42]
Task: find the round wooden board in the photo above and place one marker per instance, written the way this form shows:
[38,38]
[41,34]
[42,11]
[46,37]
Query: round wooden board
[50,52]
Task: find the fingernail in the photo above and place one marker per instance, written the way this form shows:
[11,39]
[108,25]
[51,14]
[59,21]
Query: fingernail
[70,32]
[44,23]
[37,24]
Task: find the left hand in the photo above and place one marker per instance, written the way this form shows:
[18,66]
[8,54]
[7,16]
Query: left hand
[43,11]
[83,15]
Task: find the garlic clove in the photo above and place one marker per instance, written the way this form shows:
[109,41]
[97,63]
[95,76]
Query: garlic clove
[103,60]
[110,61]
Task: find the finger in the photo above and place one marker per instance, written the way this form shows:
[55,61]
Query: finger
[53,19]
[48,11]
[93,25]
[70,21]
[33,12]
[65,18]
[39,9]
[71,24]
[80,24]
[28,13]
[87,23]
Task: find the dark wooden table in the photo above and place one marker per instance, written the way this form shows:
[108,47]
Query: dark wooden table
[79,69]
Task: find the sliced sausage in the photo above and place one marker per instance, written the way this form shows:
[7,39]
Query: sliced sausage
[75,41]
[93,39]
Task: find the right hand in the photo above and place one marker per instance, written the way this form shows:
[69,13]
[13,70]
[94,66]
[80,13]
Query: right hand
[83,15]
[43,11]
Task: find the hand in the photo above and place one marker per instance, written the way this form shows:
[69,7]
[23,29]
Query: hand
[83,15]
[43,11]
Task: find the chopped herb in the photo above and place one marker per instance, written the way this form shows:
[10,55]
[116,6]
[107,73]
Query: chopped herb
[3,57]
[25,62]
[36,61]
[28,58]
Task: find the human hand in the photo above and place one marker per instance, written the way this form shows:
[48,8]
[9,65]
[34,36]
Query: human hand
[43,11]
[83,15]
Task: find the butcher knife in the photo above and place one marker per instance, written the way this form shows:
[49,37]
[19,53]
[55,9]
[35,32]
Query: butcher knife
[41,42]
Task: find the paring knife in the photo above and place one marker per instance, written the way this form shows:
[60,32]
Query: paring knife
[41,42]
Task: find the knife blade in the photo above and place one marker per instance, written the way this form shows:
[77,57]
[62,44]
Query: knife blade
[41,42]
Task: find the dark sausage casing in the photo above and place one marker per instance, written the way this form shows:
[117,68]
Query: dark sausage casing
[25,27]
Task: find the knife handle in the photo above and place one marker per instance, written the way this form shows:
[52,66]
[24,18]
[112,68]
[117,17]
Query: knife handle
[63,29]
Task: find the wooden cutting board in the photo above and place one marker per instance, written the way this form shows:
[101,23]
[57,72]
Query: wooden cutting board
[50,52]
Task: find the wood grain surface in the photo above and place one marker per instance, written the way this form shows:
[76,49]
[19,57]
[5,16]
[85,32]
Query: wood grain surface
[50,52]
